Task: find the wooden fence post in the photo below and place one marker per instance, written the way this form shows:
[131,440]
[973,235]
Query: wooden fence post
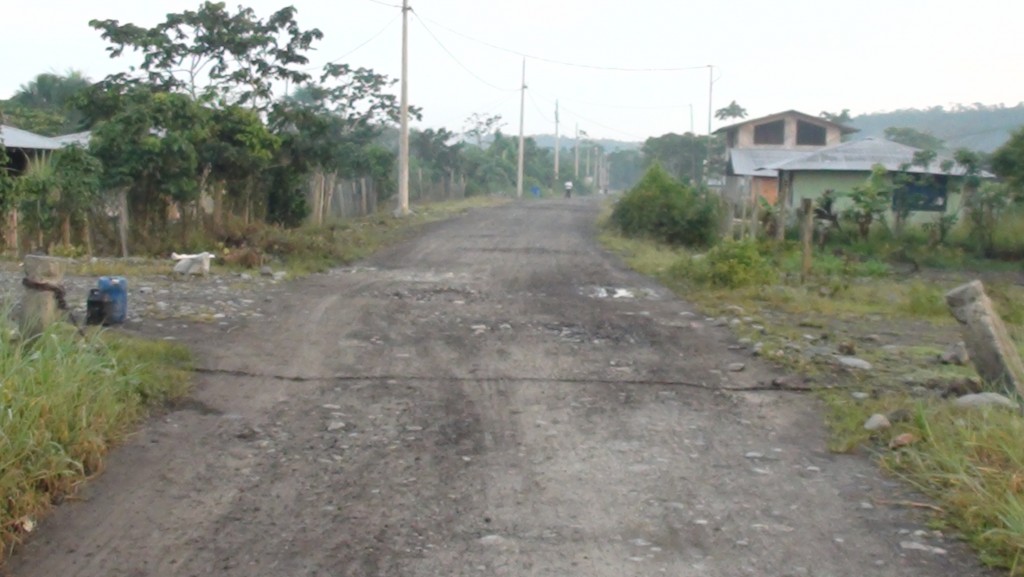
[755,218]
[807,235]
[43,278]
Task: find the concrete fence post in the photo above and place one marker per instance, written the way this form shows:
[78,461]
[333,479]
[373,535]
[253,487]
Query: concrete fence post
[993,352]
[43,289]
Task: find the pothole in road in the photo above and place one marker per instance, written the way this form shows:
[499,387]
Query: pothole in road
[627,293]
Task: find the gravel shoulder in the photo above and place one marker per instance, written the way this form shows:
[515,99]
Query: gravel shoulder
[497,396]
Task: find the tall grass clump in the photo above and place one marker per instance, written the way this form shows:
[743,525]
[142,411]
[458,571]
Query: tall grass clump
[64,400]
[663,209]
[730,265]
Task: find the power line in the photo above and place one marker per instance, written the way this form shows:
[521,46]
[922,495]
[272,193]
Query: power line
[621,106]
[596,123]
[562,62]
[537,106]
[364,43]
[457,61]
[386,4]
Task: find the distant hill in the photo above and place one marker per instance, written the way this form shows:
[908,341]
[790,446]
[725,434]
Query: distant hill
[977,127]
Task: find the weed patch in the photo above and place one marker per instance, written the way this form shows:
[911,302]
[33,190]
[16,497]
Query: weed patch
[64,401]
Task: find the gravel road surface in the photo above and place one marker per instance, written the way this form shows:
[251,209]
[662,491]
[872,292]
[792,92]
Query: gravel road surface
[497,396]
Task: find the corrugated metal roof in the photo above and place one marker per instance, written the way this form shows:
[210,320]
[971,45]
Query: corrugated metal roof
[752,161]
[78,138]
[17,138]
[863,155]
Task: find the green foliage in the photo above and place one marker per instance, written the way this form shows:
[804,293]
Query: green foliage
[65,400]
[732,111]
[733,265]
[985,208]
[1008,161]
[915,138]
[680,155]
[663,209]
[870,200]
[925,300]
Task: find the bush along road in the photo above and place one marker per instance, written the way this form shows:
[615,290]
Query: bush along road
[497,396]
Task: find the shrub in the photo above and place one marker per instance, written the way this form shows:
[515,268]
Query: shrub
[925,300]
[663,209]
[729,265]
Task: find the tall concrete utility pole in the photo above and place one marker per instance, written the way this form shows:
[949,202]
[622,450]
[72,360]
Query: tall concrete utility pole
[522,151]
[558,147]
[707,148]
[576,171]
[403,138]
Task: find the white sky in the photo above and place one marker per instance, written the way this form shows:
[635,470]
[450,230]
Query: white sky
[810,55]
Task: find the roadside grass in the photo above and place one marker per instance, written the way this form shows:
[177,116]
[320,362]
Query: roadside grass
[64,401]
[969,461]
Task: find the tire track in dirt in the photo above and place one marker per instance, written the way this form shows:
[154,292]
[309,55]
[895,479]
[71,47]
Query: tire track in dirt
[521,448]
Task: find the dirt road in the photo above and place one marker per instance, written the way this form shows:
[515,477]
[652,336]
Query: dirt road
[495,397]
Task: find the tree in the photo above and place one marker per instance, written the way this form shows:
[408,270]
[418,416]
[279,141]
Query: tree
[732,111]
[842,117]
[479,126]
[870,200]
[1008,161]
[681,155]
[47,104]
[214,55]
[915,138]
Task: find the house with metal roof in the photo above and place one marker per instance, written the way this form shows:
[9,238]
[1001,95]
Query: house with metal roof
[928,191]
[22,145]
[754,144]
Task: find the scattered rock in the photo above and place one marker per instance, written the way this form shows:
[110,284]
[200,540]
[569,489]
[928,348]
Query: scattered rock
[145,290]
[955,354]
[877,422]
[736,367]
[754,455]
[266,271]
[961,387]
[902,440]
[279,275]
[900,416]
[245,276]
[335,426]
[860,395]
[855,363]
[985,400]
[735,309]
[757,349]
[915,546]
[847,348]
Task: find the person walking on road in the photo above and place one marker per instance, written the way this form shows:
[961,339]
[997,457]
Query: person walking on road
[568,189]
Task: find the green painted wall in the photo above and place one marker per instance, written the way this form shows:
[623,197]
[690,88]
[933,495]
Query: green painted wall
[813,184]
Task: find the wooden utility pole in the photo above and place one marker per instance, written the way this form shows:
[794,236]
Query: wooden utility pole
[522,140]
[806,205]
[558,146]
[403,138]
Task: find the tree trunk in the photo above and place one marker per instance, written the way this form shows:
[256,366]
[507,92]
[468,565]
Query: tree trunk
[87,235]
[65,229]
[122,220]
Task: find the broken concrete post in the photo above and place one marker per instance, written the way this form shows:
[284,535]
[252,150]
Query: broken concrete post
[994,355]
[43,292]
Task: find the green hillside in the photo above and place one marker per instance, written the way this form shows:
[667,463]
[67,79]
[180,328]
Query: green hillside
[977,127]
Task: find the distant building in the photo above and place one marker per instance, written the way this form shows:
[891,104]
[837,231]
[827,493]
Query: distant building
[844,166]
[753,145]
[21,145]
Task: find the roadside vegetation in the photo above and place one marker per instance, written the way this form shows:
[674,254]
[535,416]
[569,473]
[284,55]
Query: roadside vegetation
[64,401]
[878,297]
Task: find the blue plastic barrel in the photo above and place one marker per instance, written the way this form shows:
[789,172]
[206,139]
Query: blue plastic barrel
[116,289]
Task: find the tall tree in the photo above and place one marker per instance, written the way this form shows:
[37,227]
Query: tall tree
[841,117]
[215,55]
[732,111]
[913,137]
[479,126]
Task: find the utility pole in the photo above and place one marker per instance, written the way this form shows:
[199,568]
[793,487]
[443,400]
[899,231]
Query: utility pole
[576,171]
[403,138]
[707,148]
[558,146]
[522,151]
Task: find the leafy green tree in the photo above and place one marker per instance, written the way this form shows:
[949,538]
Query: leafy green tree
[666,210]
[480,126]
[625,167]
[215,55]
[1008,161]
[46,104]
[732,111]
[870,200]
[913,137]
[842,117]
[681,155]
